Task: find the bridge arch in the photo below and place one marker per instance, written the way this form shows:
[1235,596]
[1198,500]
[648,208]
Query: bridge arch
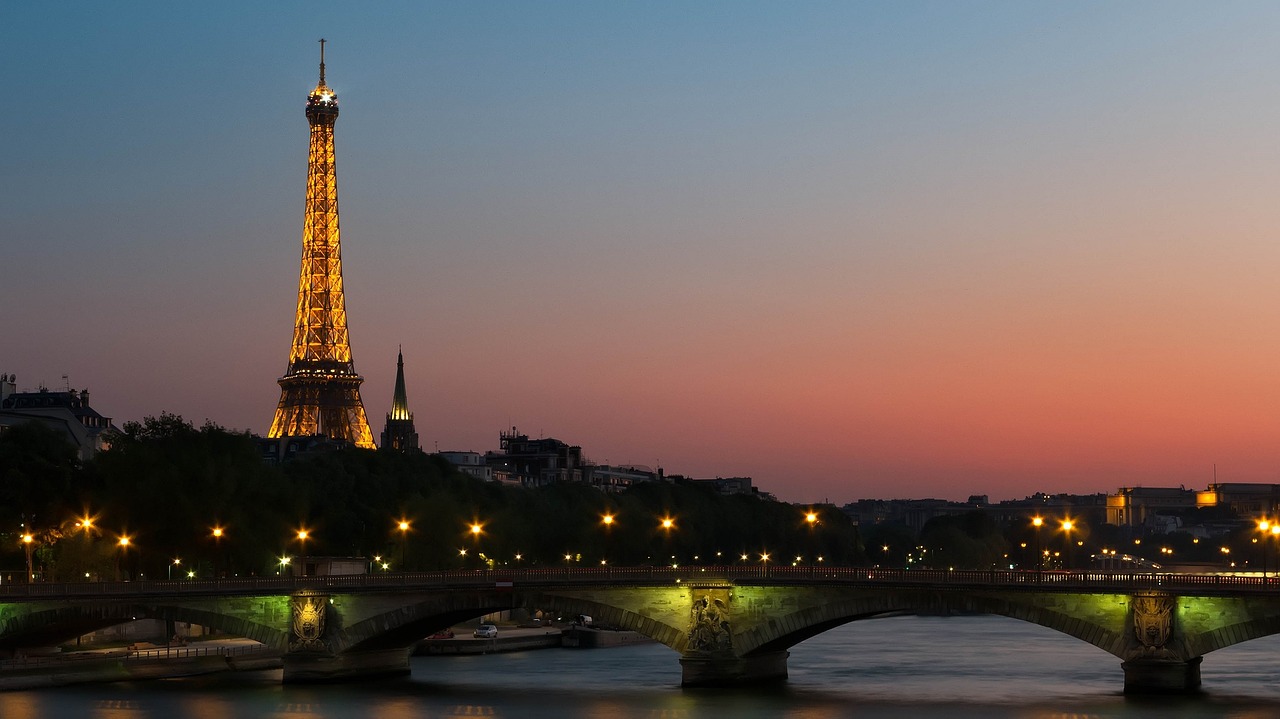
[1097,619]
[398,624]
[608,610]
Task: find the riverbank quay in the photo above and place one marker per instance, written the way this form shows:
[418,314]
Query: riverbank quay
[580,637]
[133,664]
[524,638]
[508,640]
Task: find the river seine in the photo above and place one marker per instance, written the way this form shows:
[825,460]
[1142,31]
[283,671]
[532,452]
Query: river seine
[894,667]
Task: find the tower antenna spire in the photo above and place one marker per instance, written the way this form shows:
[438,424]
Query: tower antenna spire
[321,61]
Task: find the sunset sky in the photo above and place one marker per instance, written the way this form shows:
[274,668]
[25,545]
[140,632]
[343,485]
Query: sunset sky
[898,249]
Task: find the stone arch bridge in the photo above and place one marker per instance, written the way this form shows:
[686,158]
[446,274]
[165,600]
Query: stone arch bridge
[728,624]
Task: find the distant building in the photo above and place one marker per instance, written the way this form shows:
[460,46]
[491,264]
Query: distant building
[399,432]
[1138,506]
[611,478]
[472,463]
[326,566]
[278,450]
[67,412]
[534,462]
[727,485]
[1245,500]
[913,513]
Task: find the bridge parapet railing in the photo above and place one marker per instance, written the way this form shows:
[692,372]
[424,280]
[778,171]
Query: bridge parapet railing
[559,576]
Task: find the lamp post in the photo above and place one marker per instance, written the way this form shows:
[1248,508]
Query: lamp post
[1264,526]
[607,520]
[123,544]
[403,526]
[303,534]
[1067,526]
[176,562]
[1038,522]
[27,540]
[811,520]
[216,531]
[1275,533]
[476,529]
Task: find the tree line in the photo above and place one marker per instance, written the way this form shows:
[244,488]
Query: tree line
[166,486]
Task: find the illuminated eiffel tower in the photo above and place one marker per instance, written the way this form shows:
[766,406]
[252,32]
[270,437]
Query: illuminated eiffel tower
[320,390]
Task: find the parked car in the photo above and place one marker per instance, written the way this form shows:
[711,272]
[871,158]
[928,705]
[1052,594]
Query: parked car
[486,631]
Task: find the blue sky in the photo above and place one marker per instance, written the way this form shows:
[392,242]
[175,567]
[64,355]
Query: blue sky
[850,249]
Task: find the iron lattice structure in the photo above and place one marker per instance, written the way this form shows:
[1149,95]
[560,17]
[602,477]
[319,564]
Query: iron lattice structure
[320,391]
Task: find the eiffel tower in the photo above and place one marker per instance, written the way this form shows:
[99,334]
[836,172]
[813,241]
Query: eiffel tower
[320,390]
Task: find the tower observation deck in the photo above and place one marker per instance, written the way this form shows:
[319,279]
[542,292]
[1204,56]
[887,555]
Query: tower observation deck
[320,390]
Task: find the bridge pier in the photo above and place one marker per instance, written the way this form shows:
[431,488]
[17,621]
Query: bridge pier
[701,671]
[1162,676]
[304,667]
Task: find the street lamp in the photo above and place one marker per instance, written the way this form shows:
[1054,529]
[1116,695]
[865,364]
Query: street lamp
[1038,522]
[27,540]
[176,562]
[1275,532]
[1067,526]
[303,535]
[1264,526]
[123,544]
[607,520]
[216,532]
[403,526]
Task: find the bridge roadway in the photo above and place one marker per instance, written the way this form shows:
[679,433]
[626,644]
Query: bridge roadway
[729,624]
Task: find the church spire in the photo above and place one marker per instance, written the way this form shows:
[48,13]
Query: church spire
[399,432]
[400,400]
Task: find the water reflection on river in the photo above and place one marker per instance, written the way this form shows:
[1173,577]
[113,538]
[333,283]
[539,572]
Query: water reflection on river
[904,666]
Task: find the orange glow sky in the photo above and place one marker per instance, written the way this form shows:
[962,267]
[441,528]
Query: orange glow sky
[848,249]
